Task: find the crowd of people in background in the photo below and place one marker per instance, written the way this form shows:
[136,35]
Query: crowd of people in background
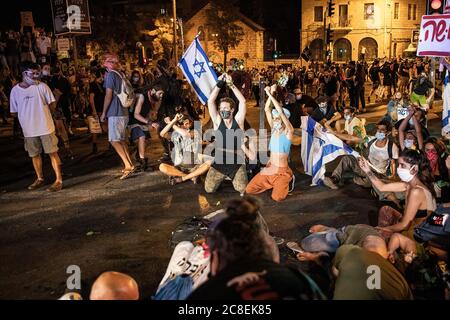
[400,163]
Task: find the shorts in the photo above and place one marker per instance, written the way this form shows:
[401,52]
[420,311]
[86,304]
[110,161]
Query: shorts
[117,127]
[137,133]
[214,179]
[421,100]
[34,145]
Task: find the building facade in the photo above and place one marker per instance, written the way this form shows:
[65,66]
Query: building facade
[369,28]
[251,48]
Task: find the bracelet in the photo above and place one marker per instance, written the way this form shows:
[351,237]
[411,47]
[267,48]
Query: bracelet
[220,84]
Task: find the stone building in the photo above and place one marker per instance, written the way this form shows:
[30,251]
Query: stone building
[378,28]
[251,48]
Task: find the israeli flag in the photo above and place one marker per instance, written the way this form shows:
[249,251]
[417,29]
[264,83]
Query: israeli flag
[320,147]
[197,69]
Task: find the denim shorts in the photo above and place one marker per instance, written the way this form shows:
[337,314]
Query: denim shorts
[137,133]
[117,127]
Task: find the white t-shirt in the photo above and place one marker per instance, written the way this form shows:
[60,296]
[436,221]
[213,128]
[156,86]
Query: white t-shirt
[379,157]
[43,44]
[31,106]
[355,122]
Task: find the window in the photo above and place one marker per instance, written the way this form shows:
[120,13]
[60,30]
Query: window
[318,14]
[369,10]
[412,11]
[343,15]
[396,10]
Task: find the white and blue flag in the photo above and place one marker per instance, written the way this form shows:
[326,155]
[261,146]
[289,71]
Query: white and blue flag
[196,68]
[320,147]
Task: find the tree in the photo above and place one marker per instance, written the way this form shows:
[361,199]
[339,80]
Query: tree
[221,21]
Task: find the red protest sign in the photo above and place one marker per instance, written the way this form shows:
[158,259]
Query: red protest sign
[434,37]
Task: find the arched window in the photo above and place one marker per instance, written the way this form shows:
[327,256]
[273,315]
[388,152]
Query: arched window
[369,48]
[342,50]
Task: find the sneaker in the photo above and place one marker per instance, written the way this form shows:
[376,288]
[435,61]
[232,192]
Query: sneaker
[36,184]
[57,186]
[327,181]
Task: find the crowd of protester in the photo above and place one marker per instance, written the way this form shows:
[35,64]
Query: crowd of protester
[401,164]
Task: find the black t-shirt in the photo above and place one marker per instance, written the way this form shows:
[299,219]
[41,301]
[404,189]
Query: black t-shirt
[374,74]
[308,101]
[275,282]
[349,73]
[99,95]
[386,71]
[331,86]
[422,88]
[318,115]
[296,113]
[62,84]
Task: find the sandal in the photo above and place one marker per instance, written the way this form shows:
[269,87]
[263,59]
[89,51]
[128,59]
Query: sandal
[57,186]
[127,173]
[36,184]
[295,247]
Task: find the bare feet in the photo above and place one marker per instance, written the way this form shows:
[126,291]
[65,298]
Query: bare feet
[127,172]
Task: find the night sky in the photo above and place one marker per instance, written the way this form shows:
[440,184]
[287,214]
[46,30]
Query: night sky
[276,16]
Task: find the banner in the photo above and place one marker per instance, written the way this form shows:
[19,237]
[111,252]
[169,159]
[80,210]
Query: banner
[434,38]
[26,19]
[71,17]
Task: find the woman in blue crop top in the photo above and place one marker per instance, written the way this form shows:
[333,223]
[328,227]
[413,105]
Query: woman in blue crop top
[276,175]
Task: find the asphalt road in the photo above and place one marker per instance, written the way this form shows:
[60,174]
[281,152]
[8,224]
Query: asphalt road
[100,223]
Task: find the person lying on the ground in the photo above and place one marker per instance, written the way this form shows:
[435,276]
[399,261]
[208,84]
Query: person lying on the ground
[411,139]
[417,183]
[189,164]
[114,286]
[382,153]
[276,175]
[244,265]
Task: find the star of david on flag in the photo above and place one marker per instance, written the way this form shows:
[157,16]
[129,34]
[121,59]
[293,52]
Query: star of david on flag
[197,69]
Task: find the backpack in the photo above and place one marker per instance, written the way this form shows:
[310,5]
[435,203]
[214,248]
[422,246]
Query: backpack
[126,94]
[435,228]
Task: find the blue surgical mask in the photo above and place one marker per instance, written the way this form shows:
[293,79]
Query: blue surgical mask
[380,136]
[408,143]
[277,126]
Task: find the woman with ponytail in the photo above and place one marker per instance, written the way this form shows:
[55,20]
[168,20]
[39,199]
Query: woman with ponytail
[435,151]
[417,182]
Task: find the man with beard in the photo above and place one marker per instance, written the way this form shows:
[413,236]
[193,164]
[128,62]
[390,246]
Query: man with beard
[331,87]
[229,163]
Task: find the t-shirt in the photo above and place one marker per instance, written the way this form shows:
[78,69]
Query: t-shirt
[422,88]
[31,106]
[379,157]
[356,273]
[356,234]
[274,282]
[318,115]
[296,113]
[374,74]
[114,81]
[355,122]
[331,86]
[184,152]
[43,44]
[99,95]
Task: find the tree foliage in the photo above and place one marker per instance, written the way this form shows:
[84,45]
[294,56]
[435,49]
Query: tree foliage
[221,20]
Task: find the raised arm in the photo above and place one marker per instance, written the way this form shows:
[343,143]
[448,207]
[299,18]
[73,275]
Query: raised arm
[164,132]
[268,111]
[377,183]
[279,108]
[242,107]
[418,128]
[212,106]
[402,129]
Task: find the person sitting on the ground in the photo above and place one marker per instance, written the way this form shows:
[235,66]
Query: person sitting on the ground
[410,139]
[276,175]
[325,114]
[352,124]
[417,183]
[435,151]
[189,164]
[245,266]
[364,273]
[114,286]
[397,102]
[229,161]
[382,153]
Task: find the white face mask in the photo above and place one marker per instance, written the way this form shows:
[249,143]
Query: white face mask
[405,174]
[347,117]
[408,143]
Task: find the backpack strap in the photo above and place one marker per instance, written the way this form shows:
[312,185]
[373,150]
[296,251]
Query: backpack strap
[369,145]
[390,146]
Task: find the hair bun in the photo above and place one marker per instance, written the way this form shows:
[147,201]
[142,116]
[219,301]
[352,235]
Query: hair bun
[244,210]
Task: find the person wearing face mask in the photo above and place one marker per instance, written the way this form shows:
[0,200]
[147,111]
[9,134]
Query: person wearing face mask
[393,105]
[350,122]
[410,139]
[229,161]
[421,87]
[32,101]
[136,79]
[276,175]
[435,150]
[300,107]
[381,152]
[96,98]
[417,184]
[189,164]
[326,113]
